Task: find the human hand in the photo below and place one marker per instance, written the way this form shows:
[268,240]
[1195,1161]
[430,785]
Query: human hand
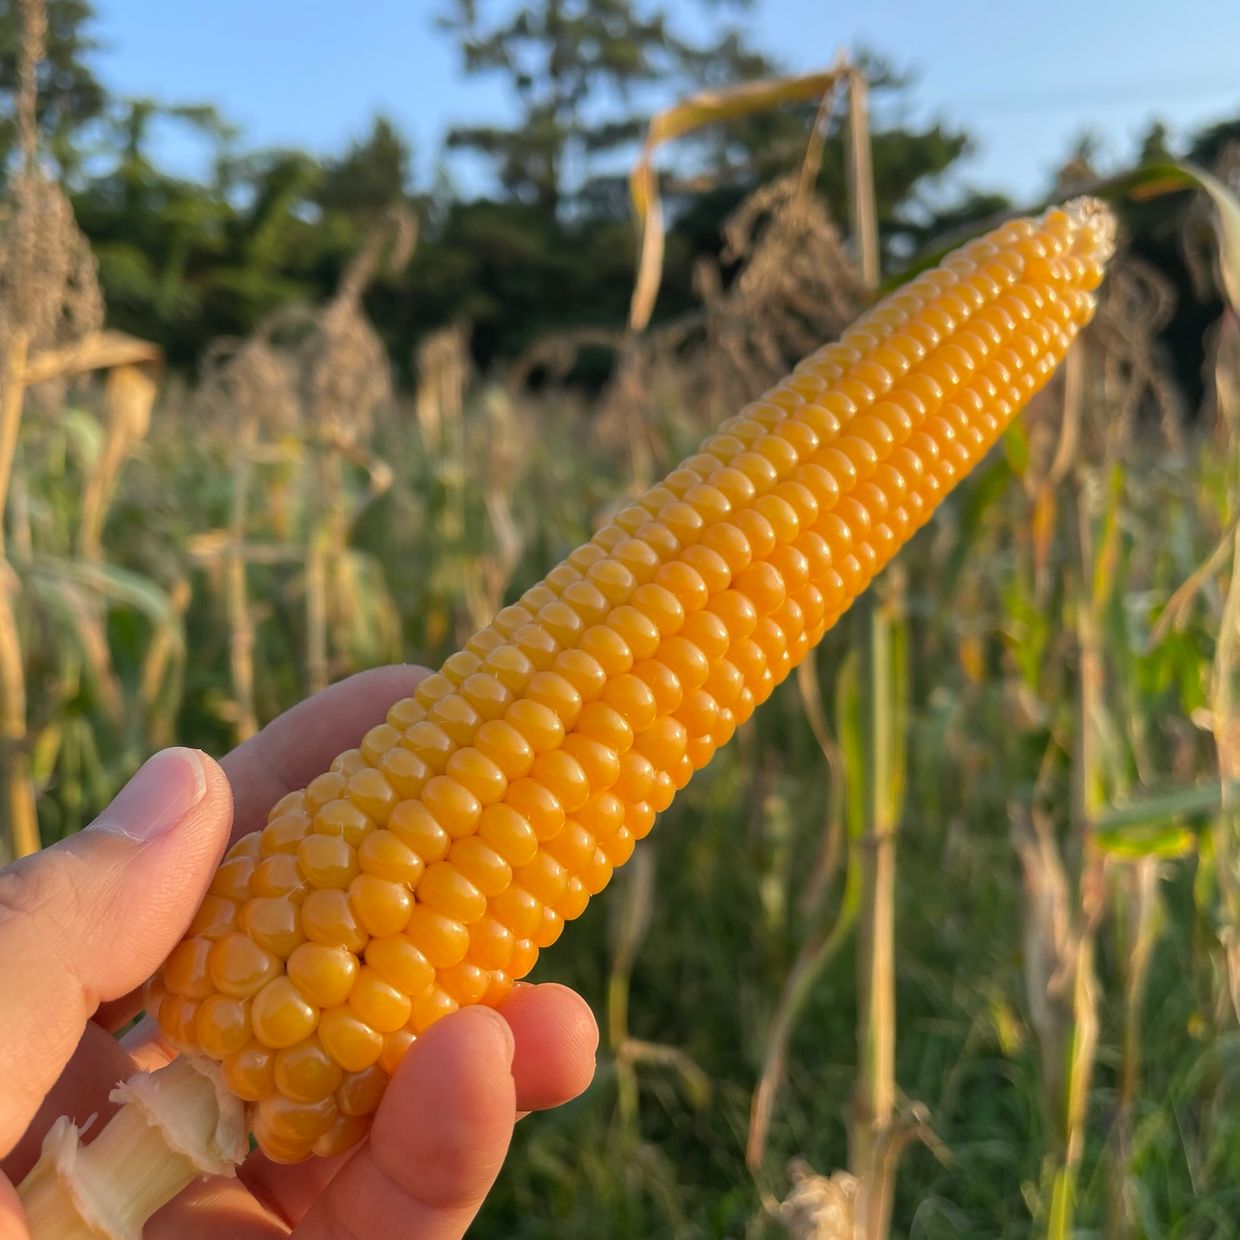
[84,923]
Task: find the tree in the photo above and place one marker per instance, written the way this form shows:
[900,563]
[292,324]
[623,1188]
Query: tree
[70,96]
[1155,144]
[371,175]
[570,62]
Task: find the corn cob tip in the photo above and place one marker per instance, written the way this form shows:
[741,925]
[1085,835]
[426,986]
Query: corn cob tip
[1099,218]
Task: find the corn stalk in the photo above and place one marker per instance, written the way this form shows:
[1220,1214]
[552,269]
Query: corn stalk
[873,1144]
[872,1148]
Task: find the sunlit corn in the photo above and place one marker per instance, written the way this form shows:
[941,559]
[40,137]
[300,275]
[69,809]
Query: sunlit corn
[430,866]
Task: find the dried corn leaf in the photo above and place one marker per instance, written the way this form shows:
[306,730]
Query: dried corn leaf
[708,108]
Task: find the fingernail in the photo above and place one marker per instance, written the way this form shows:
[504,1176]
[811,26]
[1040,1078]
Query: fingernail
[163,791]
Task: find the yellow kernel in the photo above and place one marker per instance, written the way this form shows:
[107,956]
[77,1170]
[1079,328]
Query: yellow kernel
[544,877]
[380,1004]
[372,794]
[385,855]
[414,825]
[555,693]
[430,1007]
[430,744]
[295,1121]
[561,774]
[325,788]
[306,1072]
[572,848]
[518,909]
[178,1022]
[453,806]
[541,727]
[327,861]
[323,974]
[273,923]
[232,879]
[375,744]
[600,764]
[222,1025]
[602,815]
[215,917]
[639,631]
[283,834]
[663,683]
[279,876]
[506,747]
[404,771]
[281,1015]
[290,802]
[595,875]
[359,1093]
[508,832]
[446,890]
[328,917]
[342,1136]
[395,1046]
[398,962]
[350,1041]
[487,694]
[186,970]
[539,805]
[551,928]
[481,865]
[606,725]
[491,944]
[465,982]
[250,1072]
[383,906]
[405,713]
[524,958]
[239,967]
[344,820]
[585,673]
[476,772]
[441,939]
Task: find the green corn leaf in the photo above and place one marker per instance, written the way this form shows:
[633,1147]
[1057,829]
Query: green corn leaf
[1168,807]
[1137,843]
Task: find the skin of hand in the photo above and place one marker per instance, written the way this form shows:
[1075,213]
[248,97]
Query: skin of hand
[85,922]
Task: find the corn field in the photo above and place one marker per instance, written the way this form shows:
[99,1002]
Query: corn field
[945,943]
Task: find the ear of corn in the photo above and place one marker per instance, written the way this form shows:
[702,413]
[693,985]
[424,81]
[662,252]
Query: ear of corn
[430,866]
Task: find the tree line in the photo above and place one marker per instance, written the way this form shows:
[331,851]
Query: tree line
[548,245]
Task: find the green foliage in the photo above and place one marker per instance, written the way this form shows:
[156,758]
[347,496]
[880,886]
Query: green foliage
[70,96]
[563,56]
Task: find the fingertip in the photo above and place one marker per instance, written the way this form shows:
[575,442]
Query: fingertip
[460,1069]
[557,1042]
[446,1119]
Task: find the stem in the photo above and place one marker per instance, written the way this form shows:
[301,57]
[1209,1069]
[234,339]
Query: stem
[12,397]
[240,624]
[876,1000]
[861,179]
[634,920]
[18,794]
[174,1126]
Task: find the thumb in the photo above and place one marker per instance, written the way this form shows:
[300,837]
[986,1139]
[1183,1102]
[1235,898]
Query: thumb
[92,917]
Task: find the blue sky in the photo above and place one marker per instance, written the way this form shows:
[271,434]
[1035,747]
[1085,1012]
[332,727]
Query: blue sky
[1023,78]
